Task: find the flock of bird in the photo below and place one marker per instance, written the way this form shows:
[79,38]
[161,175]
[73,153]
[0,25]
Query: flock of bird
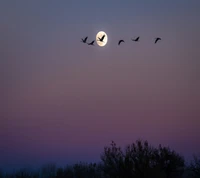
[119,42]
[85,41]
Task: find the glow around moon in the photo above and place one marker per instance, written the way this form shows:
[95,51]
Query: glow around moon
[105,40]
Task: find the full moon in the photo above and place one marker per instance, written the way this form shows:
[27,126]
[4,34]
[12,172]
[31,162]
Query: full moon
[99,36]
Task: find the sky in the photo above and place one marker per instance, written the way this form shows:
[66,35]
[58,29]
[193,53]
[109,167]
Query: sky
[62,101]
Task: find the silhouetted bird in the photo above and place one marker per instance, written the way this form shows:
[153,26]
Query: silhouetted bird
[101,39]
[84,40]
[120,41]
[92,43]
[157,39]
[137,39]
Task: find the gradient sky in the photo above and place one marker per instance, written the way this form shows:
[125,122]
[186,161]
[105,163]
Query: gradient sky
[62,101]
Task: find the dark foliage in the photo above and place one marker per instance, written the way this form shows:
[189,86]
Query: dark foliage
[140,160]
[1,174]
[136,160]
[194,167]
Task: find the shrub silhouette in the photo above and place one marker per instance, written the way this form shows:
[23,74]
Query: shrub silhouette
[85,170]
[48,171]
[60,173]
[140,160]
[1,174]
[136,160]
[170,162]
[23,173]
[113,161]
[195,167]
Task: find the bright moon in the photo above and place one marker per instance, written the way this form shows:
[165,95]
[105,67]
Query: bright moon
[99,35]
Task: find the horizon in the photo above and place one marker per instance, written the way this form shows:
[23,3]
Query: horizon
[62,97]
[38,167]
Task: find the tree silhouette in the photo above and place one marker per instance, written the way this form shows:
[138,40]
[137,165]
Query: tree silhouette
[68,172]
[7,175]
[48,171]
[195,167]
[170,162]
[85,170]
[23,173]
[1,174]
[140,160]
[137,160]
[79,170]
[140,154]
[60,173]
[113,161]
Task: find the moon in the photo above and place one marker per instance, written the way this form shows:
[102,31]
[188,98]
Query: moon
[105,40]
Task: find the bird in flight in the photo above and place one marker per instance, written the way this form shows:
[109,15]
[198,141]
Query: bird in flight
[157,39]
[101,39]
[84,40]
[137,39]
[120,41]
[92,43]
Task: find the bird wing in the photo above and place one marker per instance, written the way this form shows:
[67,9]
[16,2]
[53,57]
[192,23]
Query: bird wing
[120,42]
[156,40]
[103,37]
[86,38]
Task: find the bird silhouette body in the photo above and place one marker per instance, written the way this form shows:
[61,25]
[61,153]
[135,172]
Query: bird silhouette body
[137,39]
[101,39]
[92,43]
[157,39]
[84,40]
[120,41]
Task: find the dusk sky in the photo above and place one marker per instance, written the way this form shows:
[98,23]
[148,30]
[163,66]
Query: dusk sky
[62,101]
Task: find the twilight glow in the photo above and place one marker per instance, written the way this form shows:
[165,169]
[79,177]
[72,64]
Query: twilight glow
[62,101]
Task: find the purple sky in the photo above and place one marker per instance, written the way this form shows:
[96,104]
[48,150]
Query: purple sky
[62,101]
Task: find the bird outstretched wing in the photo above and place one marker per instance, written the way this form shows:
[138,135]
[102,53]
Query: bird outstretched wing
[157,40]
[103,37]
[92,43]
[120,42]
